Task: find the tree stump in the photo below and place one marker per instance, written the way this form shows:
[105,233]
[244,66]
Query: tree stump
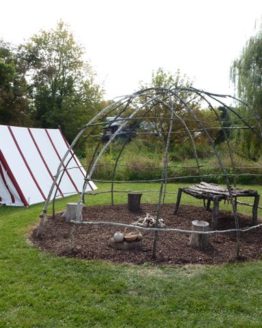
[196,239]
[73,212]
[134,199]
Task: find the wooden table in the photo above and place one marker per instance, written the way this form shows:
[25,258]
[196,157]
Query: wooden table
[215,193]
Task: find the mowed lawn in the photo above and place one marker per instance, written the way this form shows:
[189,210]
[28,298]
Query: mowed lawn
[40,290]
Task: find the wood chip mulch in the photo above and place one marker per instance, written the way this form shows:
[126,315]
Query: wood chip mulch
[92,241]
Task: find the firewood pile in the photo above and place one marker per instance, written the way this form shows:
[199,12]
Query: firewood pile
[149,221]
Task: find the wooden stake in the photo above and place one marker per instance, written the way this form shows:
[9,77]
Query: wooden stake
[254,210]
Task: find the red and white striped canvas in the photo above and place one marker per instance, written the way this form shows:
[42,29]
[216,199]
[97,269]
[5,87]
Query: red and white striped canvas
[29,159]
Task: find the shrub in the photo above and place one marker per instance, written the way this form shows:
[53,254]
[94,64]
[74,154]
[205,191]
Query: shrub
[143,168]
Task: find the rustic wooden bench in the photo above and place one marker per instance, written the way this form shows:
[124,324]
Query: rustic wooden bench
[211,192]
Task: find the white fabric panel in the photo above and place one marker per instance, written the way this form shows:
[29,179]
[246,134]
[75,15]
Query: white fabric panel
[5,193]
[75,160]
[12,189]
[33,159]
[43,163]
[18,167]
[73,167]
[69,184]
[49,155]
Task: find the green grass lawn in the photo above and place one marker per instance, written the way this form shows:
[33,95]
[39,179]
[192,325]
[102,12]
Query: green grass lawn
[40,290]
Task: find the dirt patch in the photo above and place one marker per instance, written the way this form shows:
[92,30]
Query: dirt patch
[91,241]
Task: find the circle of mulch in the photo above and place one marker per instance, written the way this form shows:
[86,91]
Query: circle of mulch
[92,241]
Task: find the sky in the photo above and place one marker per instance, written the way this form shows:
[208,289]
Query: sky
[126,40]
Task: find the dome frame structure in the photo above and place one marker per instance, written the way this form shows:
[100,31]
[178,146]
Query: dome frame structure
[136,107]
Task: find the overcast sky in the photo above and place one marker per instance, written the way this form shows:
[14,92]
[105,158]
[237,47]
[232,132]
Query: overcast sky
[125,40]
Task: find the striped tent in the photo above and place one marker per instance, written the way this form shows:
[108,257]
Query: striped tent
[29,159]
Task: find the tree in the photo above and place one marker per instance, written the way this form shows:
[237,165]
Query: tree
[14,106]
[224,133]
[62,86]
[184,105]
[246,73]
